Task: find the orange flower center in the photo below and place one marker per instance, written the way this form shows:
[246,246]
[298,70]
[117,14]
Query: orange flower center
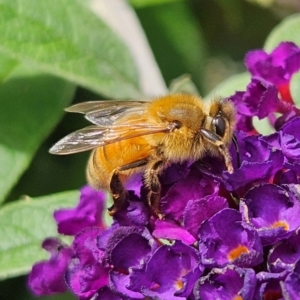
[283,224]
[179,284]
[237,252]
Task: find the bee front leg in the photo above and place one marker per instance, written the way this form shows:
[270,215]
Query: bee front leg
[152,182]
[118,192]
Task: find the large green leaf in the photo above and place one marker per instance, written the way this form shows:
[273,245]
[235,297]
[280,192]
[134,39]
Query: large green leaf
[177,39]
[66,39]
[31,104]
[287,30]
[185,35]
[24,224]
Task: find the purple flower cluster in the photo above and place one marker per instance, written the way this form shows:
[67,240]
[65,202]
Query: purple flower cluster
[269,90]
[224,236]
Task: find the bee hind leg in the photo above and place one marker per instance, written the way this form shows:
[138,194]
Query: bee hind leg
[152,182]
[118,192]
[117,188]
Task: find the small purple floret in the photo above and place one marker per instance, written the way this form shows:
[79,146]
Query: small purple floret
[87,213]
[285,254]
[47,277]
[276,67]
[269,285]
[226,239]
[164,276]
[273,210]
[88,270]
[230,282]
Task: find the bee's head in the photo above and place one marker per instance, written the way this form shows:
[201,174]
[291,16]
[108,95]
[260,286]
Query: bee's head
[219,128]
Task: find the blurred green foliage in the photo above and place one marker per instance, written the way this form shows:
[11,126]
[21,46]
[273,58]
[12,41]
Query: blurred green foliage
[73,57]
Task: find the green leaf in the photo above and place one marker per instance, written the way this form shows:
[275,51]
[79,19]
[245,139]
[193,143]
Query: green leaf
[183,84]
[31,104]
[24,225]
[295,88]
[143,3]
[262,126]
[66,39]
[230,86]
[287,30]
[122,18]
[176,38]
[185,36]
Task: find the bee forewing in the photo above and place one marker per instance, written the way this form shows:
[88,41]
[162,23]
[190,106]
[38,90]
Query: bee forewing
[106,113]
[81,140]
[91,106]
[96,136]
[111,115]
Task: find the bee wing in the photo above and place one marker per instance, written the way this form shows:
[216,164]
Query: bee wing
[105,113]
[81,140]
[90,106]
[96,136]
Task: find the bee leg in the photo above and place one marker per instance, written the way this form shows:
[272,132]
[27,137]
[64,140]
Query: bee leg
[154,186]
[216,140]
[118,192]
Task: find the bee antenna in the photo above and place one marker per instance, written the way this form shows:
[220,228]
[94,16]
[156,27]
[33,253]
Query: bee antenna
[236,145]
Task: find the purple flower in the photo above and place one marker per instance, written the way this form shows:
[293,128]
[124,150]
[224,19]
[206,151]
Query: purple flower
[169,274]
[119,252]
[135,214]
[47,277]
[290,143]
[134,183]
[259,162]
[224,236]
[106,293]
[260,99]
[271,75]
[269,285]
[88,270]
[285,254]
[287,141]
[123,258]
[199,210]
[193,186]
[226,239]
[171,231]
[276,67]
[291,285]
[274,211]
[230,282]
[87,213]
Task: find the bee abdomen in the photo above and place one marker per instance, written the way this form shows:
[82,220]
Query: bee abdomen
[98,175]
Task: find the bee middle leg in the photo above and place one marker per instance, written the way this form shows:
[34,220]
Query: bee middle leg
[152,182]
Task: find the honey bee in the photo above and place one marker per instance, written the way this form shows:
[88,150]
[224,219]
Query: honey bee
[146,136]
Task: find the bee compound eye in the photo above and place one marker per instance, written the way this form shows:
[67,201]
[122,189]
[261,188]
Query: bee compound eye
[220,125]
[175,125]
